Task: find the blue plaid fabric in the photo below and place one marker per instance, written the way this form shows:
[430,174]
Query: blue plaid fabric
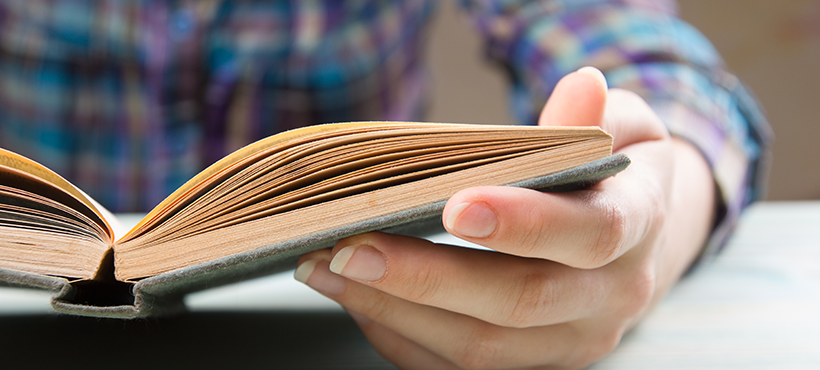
[130,98]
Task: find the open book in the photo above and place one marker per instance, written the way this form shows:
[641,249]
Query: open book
[256,210]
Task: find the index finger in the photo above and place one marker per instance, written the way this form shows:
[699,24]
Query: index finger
[585,229]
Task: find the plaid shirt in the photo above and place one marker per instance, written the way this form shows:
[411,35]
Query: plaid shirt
[130,98]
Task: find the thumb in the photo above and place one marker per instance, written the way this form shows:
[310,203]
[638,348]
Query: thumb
[579,99]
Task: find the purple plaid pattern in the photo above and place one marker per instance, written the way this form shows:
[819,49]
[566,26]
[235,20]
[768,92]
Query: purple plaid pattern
[129,99]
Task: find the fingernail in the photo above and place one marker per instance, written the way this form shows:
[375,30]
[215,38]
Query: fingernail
[315,274]
[359,262]
[359,318]
[594,72]
[475,220]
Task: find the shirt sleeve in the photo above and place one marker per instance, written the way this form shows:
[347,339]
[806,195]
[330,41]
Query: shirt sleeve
[639,45]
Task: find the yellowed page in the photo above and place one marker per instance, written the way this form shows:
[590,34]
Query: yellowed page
[319,131]
[137,260]
[177,207]
[17,162]
[251,149]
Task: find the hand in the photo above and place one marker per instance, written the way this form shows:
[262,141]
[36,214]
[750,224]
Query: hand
[575,270]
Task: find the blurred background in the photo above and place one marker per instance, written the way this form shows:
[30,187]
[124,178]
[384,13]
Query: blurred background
[773,46]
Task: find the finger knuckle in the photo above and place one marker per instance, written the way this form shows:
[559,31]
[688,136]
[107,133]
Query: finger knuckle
[658,212]
[596,348]
[483,349]
[656,201]
[608,242]
[377,307]
[535,299]
[639,292]
[531,238]
[425,284]
[605,344]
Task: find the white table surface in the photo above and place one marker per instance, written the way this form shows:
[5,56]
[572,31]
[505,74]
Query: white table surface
[756,306]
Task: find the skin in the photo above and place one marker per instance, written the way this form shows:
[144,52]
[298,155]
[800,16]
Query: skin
[575,270]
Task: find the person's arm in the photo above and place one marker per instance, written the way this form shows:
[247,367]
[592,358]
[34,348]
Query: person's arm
[641,46]
[577,269]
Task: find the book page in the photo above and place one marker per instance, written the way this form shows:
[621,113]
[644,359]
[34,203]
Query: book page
[119,230]
[225,164]
[137,259]
[277,152]
[46,230]
[12,162]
